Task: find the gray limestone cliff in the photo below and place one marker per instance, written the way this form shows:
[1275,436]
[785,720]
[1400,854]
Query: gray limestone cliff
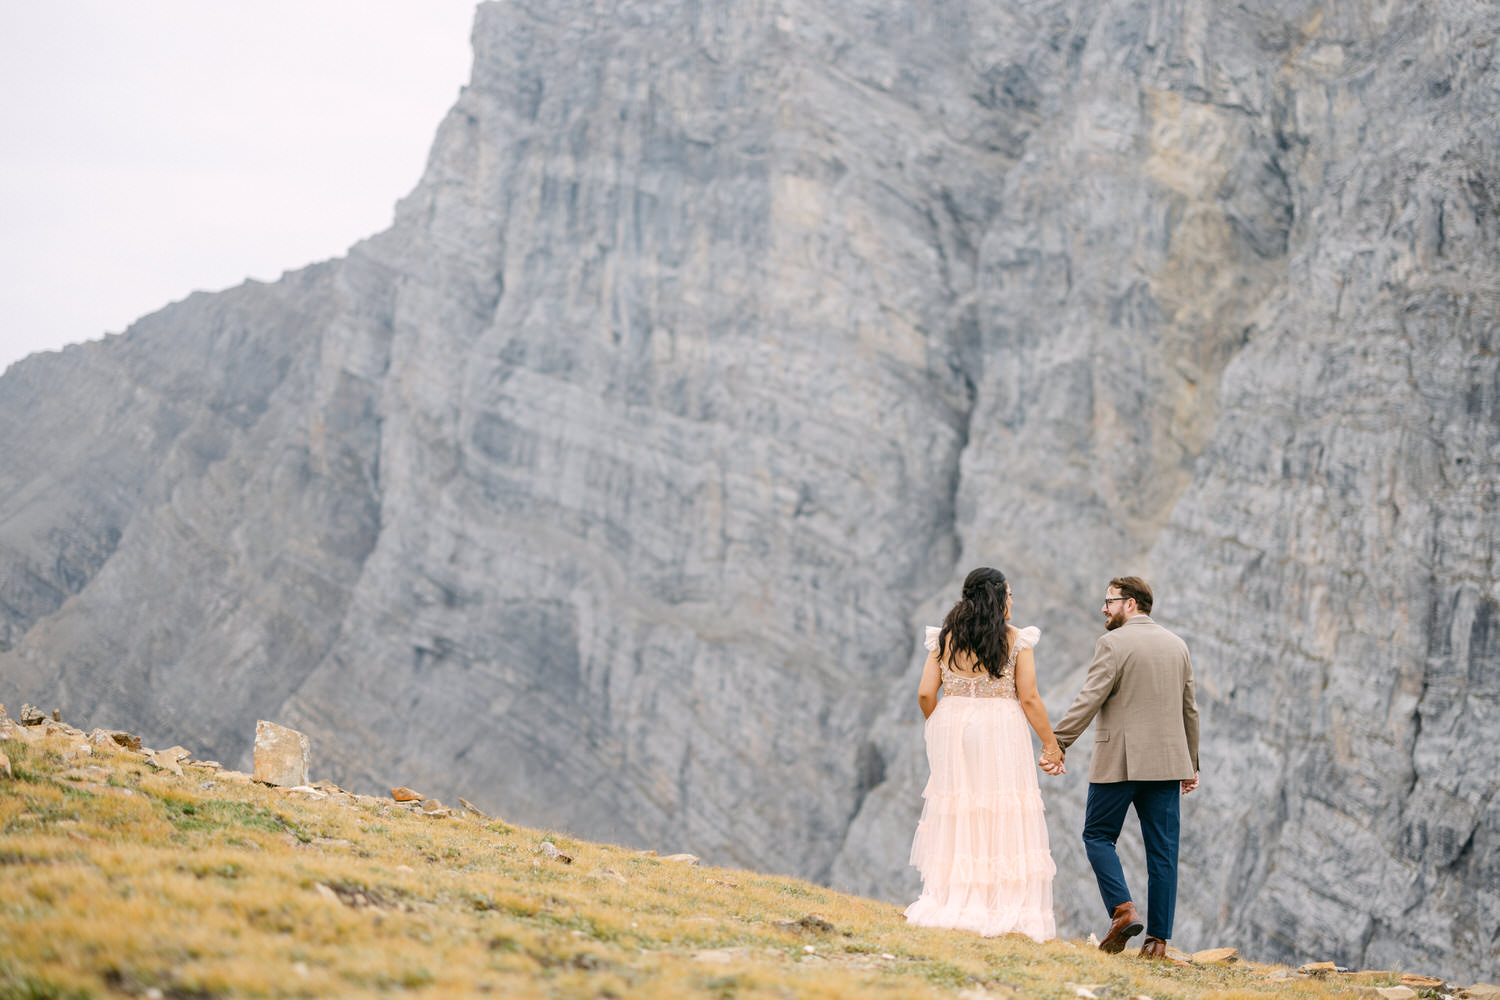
[611,486]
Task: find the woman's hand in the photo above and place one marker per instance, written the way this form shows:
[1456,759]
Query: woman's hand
[1052,760]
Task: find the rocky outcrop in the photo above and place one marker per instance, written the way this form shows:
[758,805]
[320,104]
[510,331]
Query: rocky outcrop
[614,482]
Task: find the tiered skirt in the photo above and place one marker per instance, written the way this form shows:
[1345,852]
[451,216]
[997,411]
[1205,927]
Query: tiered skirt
[981,845]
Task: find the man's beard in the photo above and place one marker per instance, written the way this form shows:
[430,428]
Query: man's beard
[1115,621]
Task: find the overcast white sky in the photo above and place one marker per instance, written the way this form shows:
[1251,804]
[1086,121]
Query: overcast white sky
[151,148]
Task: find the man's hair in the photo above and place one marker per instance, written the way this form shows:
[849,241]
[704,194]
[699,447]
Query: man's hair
[1134,586]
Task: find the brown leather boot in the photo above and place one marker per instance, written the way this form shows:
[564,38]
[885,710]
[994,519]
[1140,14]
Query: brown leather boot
[1126,924]
[1153,947]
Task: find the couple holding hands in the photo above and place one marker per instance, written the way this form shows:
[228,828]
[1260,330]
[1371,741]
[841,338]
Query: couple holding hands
[981,844]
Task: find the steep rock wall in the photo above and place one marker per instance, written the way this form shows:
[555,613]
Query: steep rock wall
[611,486]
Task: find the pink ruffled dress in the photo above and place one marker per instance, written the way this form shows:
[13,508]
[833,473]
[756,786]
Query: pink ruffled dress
[981,844]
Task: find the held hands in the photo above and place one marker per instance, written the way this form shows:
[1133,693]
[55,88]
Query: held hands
[1051,760]
[1188,784]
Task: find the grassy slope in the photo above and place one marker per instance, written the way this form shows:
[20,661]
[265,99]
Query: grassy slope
[116,878]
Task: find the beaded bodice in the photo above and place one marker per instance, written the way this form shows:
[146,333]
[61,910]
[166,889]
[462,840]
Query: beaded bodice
[982,685]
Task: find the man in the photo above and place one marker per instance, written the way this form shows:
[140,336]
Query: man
[1140,686]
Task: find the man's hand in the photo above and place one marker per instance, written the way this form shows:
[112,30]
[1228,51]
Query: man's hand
[1188,784]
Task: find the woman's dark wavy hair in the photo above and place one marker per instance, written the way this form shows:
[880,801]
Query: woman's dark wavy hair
[976,624]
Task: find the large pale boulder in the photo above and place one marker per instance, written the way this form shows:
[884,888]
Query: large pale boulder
[282,755]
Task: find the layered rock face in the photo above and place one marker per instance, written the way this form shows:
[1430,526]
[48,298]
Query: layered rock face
[611,486]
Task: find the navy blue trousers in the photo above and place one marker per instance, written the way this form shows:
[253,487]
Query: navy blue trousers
[1158,807]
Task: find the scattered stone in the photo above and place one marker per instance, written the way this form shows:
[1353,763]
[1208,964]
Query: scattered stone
[470,807]
[1420,982]
[129,741]
[810,923]
[56,715]
[307,790]
[1212,955]
[686,859]
[1092,941]
[1482,991]
[548,848]
[163,761]
[1089,992]
[432,807]
[404,794]
[1318,969]
[282,755]
[31,717]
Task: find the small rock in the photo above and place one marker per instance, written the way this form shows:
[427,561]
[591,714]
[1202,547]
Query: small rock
[56,715]
[1211,955]
[404,794]
[1318,969]
[31,717]
[1420,983]
[548,848]
[164,763]
[307,790]
[686,859]
[1482,991]
[1092,941]
[1089,992]
[282,755]
[809,923]
[470,807]
[129,741]
[1386,992]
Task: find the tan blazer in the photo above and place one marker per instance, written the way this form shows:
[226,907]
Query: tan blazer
[1140,685]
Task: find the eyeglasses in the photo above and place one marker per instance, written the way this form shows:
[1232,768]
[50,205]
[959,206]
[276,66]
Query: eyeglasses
[1110,600]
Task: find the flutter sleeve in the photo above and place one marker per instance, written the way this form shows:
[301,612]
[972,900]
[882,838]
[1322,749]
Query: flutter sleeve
[1028,637]
[933,632]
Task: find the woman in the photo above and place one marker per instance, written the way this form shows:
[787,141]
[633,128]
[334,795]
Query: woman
[981,845]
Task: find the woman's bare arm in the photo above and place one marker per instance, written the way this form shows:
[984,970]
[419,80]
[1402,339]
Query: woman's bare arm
[932,679]
[1031,704]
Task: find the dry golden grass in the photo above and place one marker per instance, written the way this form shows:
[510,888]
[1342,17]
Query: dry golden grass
[137,882]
